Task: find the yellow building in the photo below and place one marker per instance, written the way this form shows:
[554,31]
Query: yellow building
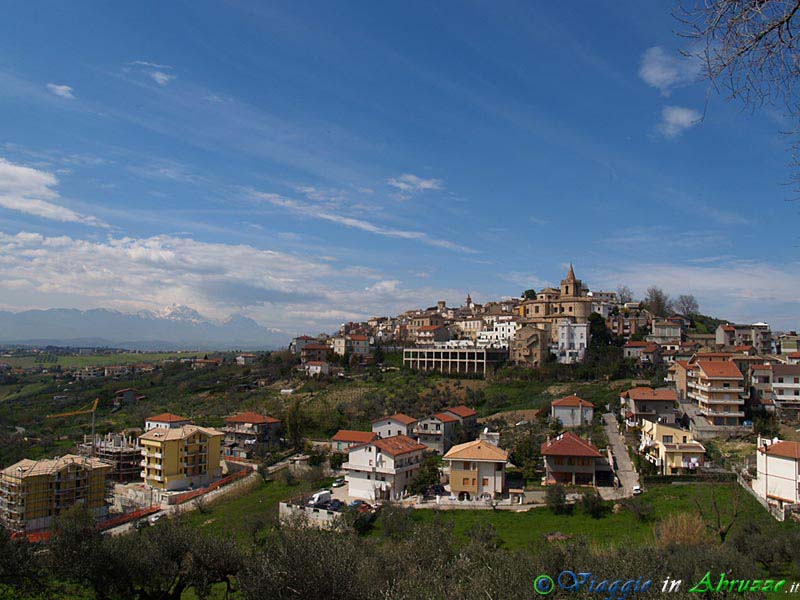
[552,305]
[34,492]
[180,457]
[477,470]
[671,449]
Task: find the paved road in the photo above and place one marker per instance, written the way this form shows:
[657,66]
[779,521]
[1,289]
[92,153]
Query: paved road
[627,476]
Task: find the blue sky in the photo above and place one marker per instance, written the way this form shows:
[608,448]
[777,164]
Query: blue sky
[310,163]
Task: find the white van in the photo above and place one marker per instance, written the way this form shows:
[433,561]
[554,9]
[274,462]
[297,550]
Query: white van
[320,496]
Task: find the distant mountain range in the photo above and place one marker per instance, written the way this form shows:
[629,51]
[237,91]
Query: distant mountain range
[173,328]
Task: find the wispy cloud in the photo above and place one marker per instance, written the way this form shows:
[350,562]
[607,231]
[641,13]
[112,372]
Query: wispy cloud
[316,212]
[665,71]
[161,74]
[677,119]
[410,183]
[64,91]
[31,191]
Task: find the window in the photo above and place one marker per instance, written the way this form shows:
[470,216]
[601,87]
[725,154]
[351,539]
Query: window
[485,481]
[667,439]
[465,481]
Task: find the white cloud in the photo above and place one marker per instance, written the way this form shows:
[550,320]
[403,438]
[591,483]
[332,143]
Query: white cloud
[157,72]
[161,78]
[412,184]
[125,273]
[31,191]
[677,119]
[317,212]
[665,72]
[64,91]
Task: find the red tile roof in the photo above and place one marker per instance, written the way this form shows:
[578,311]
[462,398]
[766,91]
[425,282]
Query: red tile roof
[722,369]
[355,437]
[358,338]
[636,344]
[784,449]
[315,347]
[572,401]
[444,417]
[462,411]
[399,417]
[316,363]
[569,444]
[398,444]
[794,355]
[648,393]
[429,328]
[166,418]
[251,417]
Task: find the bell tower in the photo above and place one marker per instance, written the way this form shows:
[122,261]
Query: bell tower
[571,286]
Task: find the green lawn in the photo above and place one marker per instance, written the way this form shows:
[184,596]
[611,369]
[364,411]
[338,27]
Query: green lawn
[100,360]
[519,530]
[237,515]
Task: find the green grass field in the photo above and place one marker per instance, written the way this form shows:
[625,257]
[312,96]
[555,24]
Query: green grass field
[100,360]
[238,515]
[521,530]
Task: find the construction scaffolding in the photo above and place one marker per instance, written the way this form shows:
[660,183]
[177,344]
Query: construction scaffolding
[33,493]
[121,451]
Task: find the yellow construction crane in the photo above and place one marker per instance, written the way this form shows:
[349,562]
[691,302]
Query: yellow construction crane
[83,411]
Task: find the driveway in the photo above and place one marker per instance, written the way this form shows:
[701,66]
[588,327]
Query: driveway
[627,476]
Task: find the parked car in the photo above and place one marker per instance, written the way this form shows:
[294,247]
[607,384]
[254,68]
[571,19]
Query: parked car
[141,524]
[319,497]
[338,482]
[637,489]
[155,518]
[335,505]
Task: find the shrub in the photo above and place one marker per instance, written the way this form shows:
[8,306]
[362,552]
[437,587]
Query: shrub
[556,498]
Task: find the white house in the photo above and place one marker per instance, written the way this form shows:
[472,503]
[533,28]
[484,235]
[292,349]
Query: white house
[383,468]
[572,411]
[246,359]
[778,480]
[165,421]
[573,340]
[500,334]
[397,424]
[315,368]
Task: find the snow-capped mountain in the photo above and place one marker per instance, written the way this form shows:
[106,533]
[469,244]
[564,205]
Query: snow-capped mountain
[175,326]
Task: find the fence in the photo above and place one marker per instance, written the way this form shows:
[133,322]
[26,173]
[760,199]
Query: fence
[127,517]
[186,496]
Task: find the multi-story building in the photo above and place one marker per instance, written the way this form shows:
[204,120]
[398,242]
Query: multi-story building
[644,352]
[477,470]
[573,340]
[34,492]
[298,343]
[397,424]
[718,389]
[316,352]
[757,335]
[628,322]
[383,468]
[431,334]
[778,479]
[644,402]
[786,389]
[761,386]
[552,305]
[572,411]
[166,421]
[477,361]
[122,452]
[469,327]
[467,417]
[676,375]
[673,450]
[500,334]
[180,457]
[437,431]
[530,346]
[425,319]
[243,432]
[354,343]
[666,332]
[570,459]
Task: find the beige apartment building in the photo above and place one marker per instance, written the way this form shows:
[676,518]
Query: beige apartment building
[477,470]
[182,457]
[34,492]
[718,389]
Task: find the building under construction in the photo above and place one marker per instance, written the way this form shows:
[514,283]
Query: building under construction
[122,452]
[34,492]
